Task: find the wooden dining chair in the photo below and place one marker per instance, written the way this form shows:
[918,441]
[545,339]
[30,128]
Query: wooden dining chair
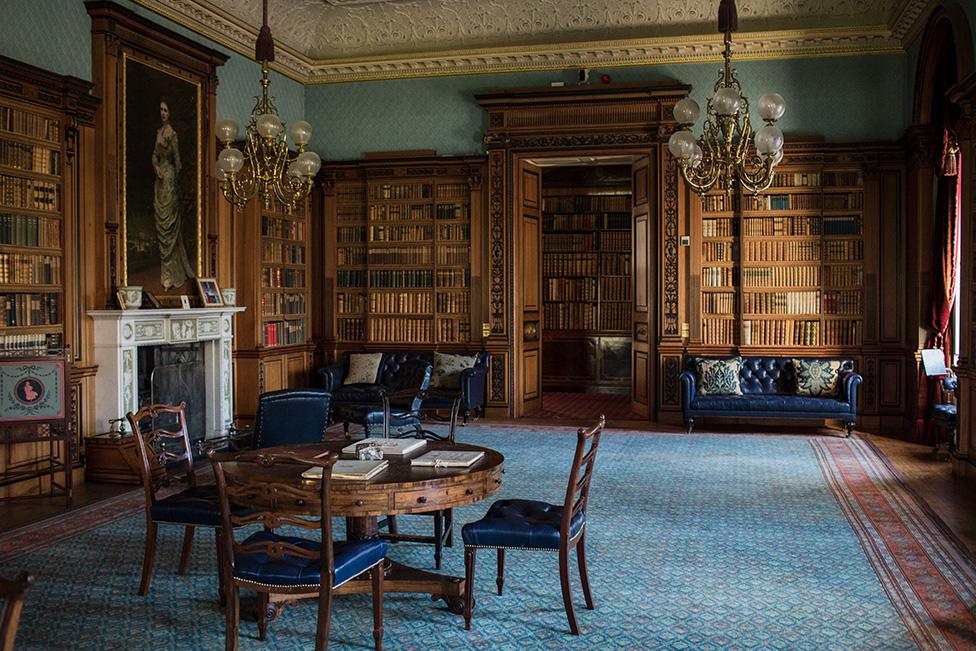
[292,416]
[533,525]
[280,565]
[163,442]
[12,592]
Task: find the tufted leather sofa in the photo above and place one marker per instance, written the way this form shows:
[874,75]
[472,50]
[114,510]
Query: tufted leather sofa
[472,382]
[768,385]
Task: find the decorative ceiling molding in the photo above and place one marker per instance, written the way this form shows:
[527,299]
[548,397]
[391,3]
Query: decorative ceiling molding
[907,19]
[238,34]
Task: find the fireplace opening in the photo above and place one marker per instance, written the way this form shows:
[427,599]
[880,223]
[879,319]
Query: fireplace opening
[172,374]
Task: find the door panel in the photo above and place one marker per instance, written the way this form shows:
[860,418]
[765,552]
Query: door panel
[642,176]
[528,205]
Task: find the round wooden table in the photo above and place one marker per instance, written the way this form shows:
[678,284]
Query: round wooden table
[402,489]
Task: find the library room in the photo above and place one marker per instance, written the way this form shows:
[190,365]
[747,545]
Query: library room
[317,319]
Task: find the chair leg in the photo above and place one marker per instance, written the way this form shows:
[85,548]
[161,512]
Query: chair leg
[567,595]
[438,538]
[469,554]
[345,431]
[690,422]
[232,613]
[391,524]
[500,579]
[449,527]
[221,579]
[325,612]
[187,545]
[147,558]
[584,575]
[262,615]
[377,576]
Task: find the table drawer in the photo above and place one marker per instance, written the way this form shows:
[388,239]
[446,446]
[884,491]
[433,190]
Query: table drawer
[375,502]
[435,498]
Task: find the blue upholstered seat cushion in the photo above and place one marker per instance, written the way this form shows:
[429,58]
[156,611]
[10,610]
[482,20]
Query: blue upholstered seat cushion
[945,411]
[199,505]
[520,523]
[775,402]
[350,558]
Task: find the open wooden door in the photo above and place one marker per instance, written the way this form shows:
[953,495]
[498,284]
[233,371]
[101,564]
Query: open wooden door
[528,294]
[642,367]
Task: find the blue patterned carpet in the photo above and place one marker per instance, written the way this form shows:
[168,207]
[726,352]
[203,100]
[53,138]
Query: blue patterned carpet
[695,542]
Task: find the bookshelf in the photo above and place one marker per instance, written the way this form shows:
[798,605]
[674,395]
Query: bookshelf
[272,349]
[586,278]
[398,254]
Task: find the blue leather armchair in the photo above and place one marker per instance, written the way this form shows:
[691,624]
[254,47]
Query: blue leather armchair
[291,416]
[393,405]
[472,387]
[767,385]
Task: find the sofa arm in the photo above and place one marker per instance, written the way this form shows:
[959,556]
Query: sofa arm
[849,381]
[472,387]
[688,380]
[332,376]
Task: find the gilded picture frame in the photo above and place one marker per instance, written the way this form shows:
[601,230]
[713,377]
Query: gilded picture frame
[162,175]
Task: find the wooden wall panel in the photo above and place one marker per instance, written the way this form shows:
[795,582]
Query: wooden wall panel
[639,387]
[891,306]
[531,378]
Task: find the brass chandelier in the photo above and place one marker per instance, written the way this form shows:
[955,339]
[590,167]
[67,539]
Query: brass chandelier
[266,167]
[728,149]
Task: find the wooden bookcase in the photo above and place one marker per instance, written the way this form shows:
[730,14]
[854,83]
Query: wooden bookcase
[399,261]
[272,337]
[586,279]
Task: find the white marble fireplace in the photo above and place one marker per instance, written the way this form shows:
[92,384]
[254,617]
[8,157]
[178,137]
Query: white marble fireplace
[118,335]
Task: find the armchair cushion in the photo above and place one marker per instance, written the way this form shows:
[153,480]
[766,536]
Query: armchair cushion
[817,377]
[520,523]
[363,368]
[292,416]
[758,404]
[199,506]
[719,376]
[448,368]
[350,558]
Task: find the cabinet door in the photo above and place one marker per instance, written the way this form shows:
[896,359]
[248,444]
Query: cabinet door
[528,220]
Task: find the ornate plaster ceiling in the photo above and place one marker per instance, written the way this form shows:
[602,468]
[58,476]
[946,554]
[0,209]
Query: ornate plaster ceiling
[343,40]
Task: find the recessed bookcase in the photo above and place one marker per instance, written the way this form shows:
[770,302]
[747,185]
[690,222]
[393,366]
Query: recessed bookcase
[785,269]
[398,245]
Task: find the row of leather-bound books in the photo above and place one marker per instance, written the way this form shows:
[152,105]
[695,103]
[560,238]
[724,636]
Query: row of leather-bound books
[33,194]
[282,253]
[27,123]
[30,230]
[30,158]
[30,309]
[288,229]
[24,269]
[277,303]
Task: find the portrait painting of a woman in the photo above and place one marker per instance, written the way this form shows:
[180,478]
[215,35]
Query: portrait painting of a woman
[162,180]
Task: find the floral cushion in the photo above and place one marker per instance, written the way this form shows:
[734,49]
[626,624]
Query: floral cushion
[363,368]
[447,370]
[719,377]
[817,377]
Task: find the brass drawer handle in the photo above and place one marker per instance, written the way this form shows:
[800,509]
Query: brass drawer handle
[469,491]
[498,481]
[300,502]
[422,499]
[359,502]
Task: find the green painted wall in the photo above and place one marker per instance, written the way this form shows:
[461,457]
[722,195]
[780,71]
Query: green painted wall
[839,98]
[56,35]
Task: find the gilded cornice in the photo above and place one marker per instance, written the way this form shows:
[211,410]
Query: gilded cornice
[239,36]
[908,19]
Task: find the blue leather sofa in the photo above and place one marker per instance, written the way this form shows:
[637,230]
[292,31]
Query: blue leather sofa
[768,387]
[472,385]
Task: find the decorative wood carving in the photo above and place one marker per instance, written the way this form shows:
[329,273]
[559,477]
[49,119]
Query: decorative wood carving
[670,369]
[497,377]
[496,243]
[669,313]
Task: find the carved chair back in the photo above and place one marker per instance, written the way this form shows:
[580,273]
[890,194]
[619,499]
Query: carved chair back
[160,433]
[12,592]
[269,498]
[578,490]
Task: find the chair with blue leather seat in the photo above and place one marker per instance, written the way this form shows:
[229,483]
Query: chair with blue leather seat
[392,406]
[264,486]
[946,414]
[291,416]
[534,525]
[166,459]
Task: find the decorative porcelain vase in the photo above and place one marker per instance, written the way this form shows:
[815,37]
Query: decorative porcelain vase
[229,295]
[131,297]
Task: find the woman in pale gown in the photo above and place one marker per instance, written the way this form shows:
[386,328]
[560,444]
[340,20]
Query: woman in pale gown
[175,266]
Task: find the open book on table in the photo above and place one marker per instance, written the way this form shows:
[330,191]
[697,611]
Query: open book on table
[351,469]
[391,447]
[448,458]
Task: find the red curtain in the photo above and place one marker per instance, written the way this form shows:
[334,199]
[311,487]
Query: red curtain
[945,239]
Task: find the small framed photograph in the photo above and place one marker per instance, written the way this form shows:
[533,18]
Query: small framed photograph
[185,301]
[209,292]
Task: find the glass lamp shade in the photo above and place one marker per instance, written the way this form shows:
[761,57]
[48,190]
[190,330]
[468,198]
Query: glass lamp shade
[230,160]
[686,111]
[300,132]
[268,125]
[769,139]
[681,144]
[309,163]
[696,157]
[227,130]
[772,106]
[726,101]
[295,170]
[777,156]
[220,173]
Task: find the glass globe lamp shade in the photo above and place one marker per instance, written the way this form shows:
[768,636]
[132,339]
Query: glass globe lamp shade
[295,170]
[696,157]
[772,107]
[777,156]
[769,139]
[227,130]
[220,173]
[300,132]
[681,144]
[268,125]
[230,160]
[686,111]
[309,163]
[726,101]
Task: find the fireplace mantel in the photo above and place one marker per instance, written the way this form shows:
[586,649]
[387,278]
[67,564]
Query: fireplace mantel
[118,333]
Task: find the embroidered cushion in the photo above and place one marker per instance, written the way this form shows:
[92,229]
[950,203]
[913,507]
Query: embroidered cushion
[817,377]
[719,377]
[363,368]
[447,370]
